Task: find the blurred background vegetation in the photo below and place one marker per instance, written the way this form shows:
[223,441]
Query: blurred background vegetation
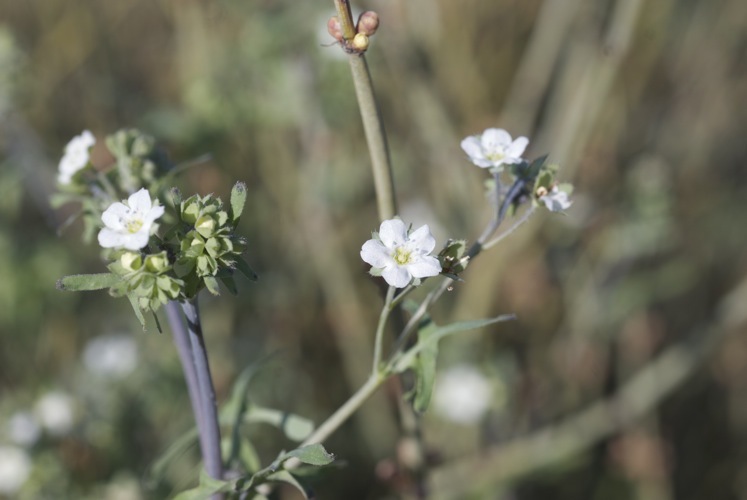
[625,375]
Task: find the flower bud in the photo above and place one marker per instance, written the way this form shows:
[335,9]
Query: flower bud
[157,263]
[360,42]
[368,23]
[205,225]
[131,261]
[334,28]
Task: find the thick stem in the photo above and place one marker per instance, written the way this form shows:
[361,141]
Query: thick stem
[184,349]
[210,432]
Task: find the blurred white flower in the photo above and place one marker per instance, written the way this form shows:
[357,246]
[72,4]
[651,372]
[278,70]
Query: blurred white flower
[55,411]
[400,256]
[15,469]
[462,394]
[129,225]
[556,200]
[76,157]
[23,428]
[494,148]
[112,355]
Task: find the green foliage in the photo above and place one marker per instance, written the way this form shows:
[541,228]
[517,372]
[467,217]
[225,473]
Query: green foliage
[421,358]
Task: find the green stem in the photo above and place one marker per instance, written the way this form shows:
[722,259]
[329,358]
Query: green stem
[346,410]
[380,330]
[346,19]
[375,136]
[398,299]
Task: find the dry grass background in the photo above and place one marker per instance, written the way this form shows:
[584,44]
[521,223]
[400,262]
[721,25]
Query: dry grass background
[641,102]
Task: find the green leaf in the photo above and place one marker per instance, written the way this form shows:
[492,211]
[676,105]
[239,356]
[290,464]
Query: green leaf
[229,283]
[283,476]
[425,368]
[87,282]
[312,454]
[406,360]
[208,486]
[294,427]
[135,307]
[212,285]
[244,268]
[238,198]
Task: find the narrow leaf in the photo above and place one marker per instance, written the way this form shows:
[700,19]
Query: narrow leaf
[295,427]
[238,198]
[207,487]
[283,476]
[136,307]
[425,368]
[244,268]
[312,454]
[87,282]
[407,360]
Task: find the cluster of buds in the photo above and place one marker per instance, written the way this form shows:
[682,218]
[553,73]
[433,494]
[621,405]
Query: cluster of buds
[147,278]
[368,23]
[138,163]
[210,244]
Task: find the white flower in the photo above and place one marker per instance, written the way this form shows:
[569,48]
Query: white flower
[112,355]
[15,468]
[129,225]
[400,256]
[55,412]
[462,394]
[23,428]
[76,157]
[555,200]
[494,148]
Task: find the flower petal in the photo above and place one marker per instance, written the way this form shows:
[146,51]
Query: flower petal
[516,149]
[110,239]
[471,145]
[495,138]
[140,201]
[425,267]
[397,276]
[376,254]
[393,232]
[422,239]
[136,241]
[112,216]
[153,214]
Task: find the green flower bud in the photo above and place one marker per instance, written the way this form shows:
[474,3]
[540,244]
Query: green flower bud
[205,225]
[157,263]
[131,261]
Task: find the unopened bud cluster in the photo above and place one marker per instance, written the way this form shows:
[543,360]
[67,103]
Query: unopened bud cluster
[368,23]
[210,244]
[145,277]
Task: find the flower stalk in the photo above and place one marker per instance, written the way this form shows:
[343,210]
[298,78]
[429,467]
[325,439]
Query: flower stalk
[210,431]
[184,349]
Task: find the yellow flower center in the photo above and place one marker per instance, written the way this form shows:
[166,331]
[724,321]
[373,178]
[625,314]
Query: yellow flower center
[133,226]
[402,256]
[496,156]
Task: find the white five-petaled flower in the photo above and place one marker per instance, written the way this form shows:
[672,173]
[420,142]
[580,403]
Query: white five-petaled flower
[401,256]
[129,225]
[76,157]
[556,200]
[494,148]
